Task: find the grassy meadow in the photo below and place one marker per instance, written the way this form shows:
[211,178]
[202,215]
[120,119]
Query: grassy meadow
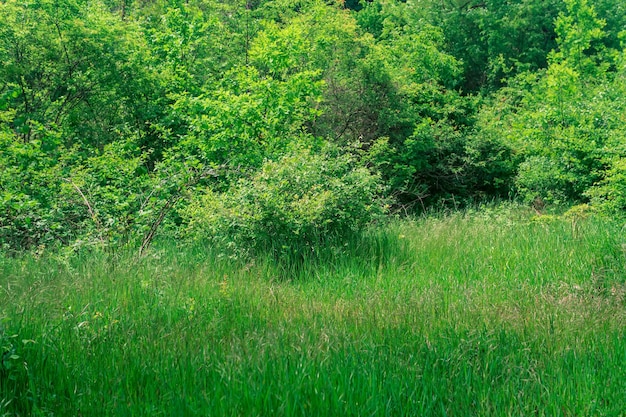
[489,313]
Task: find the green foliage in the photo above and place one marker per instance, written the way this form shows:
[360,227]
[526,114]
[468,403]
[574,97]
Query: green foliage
[291,206]
[113,192]
[29,179]
[184,41]
[495,39]
[14,376]
[423,142]
[325,40]
[114,114]
[439,163]
[563,124]
[49,198]
[610,192]
[576,30]
[540,177]
[85,113]
[70,63]
[248,117]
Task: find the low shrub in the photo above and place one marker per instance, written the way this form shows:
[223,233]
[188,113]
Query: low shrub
[291,206]
[544,178]
[610,193]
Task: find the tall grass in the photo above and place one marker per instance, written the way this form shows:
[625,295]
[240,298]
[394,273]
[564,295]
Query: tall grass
[484,314]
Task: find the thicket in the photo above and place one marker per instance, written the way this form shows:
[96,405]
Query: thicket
[283,123]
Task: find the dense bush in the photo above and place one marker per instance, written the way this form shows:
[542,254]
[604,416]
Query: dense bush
[610,193]
[52,196]
[441,164]
[565,124]
[290,206]
[543,178]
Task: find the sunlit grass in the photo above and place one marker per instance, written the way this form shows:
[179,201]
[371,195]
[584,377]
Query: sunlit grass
[488,313]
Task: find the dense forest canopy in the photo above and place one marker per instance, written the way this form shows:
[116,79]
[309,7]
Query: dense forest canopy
[282,122]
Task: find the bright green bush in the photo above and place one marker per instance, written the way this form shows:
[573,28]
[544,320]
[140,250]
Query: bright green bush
[544,178]
[610,193]
[29,185]
[51,195]
[565,125]
[290,206]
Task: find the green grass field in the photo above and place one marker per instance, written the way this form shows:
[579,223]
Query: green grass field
[482,314]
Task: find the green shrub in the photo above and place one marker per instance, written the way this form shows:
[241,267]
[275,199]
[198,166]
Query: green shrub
[439,163]
[291,206]
[610,193]
[53,195]
[29,185]
[542,177]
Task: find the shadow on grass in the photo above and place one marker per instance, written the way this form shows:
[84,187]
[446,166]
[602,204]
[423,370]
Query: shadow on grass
[359,252]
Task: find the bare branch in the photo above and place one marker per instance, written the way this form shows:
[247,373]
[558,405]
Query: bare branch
[92,213]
